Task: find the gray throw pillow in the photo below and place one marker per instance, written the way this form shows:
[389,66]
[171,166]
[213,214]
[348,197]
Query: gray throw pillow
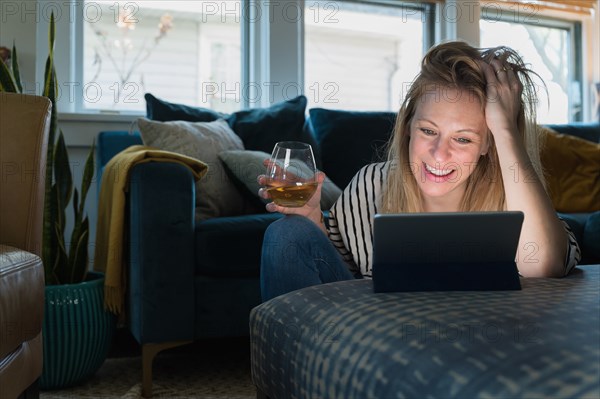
[245,166]
[216,195]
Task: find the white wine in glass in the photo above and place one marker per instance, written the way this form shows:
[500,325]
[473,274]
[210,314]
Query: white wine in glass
[291,174]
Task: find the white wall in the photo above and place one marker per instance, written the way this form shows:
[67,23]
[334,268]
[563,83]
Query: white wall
[17,24]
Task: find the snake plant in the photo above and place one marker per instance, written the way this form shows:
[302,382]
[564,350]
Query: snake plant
[63,264]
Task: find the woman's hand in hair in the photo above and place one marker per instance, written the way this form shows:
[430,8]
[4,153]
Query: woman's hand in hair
[523,189]
[503,97]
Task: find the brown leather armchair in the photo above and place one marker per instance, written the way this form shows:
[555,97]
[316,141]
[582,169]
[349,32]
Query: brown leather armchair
[24,127]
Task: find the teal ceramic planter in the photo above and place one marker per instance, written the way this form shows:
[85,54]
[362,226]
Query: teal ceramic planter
[77,332]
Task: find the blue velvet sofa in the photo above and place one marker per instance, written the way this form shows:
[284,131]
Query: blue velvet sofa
[585,225]
[190,280]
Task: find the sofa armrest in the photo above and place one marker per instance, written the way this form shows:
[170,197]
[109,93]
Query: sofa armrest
[586,227]
[161,244]
[21,317]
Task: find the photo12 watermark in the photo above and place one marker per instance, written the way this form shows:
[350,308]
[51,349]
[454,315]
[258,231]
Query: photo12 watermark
[256,93]
[326,12]
[471,11]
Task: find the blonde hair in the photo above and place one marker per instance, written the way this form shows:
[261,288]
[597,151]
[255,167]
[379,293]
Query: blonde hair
[454,65]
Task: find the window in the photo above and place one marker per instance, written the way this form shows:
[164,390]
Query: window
[184,51]
[362,55]
[549,48]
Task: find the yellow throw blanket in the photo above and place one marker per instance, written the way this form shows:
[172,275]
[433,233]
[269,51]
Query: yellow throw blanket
[108,256]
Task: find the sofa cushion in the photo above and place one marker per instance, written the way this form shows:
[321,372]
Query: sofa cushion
[259,128]
[349,140]
[231,246]
[164,111]
[215,193]
[572,168]
[591,238]
[245,166]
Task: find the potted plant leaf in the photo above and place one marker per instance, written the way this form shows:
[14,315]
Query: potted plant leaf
[77,331]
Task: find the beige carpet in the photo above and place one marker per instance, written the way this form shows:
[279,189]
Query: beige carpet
[210,369]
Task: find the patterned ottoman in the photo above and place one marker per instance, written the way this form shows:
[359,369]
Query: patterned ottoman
[341,340]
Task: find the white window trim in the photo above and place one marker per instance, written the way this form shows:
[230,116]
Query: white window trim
[265,62]
[268,71]
[264,65]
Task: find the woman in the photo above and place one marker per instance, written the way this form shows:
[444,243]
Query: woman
[465,140]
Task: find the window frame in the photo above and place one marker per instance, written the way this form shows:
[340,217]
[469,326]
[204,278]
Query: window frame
[574,29]
[78,61]
[427,10]
[257,66]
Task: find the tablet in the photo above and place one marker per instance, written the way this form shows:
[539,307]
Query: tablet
[459,251]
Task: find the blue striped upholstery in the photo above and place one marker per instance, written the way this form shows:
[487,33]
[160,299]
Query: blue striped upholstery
[341,340]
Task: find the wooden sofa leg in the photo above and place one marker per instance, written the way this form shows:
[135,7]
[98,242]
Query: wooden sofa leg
[149,351]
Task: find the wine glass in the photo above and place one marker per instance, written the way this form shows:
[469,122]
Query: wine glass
[291,178]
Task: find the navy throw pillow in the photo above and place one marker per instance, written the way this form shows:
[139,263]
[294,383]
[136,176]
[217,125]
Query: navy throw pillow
[259,128]
[349,140]
[163,111]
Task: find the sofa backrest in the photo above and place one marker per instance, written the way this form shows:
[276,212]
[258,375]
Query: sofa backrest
[110,143]
[349,140]
[346,140]
[584,130]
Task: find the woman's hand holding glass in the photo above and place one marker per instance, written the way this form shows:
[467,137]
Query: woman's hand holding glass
[292,181]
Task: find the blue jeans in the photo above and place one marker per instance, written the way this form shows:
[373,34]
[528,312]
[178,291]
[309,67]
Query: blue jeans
[297,254]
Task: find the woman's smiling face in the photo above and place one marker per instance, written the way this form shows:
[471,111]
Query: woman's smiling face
[448,134]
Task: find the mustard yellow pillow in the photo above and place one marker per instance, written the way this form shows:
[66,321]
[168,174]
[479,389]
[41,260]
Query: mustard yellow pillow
[572,171]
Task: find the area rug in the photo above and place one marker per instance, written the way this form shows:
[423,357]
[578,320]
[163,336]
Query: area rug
[211,370]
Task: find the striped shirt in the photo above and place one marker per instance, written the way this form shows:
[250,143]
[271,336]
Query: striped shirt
[350,222]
